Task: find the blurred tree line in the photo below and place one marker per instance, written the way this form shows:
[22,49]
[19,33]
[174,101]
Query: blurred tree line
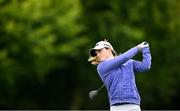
[44,49]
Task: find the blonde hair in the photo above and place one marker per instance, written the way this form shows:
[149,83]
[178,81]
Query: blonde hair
[93,60]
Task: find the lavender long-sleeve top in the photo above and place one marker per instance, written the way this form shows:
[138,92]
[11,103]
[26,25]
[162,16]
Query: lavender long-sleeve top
[118,76]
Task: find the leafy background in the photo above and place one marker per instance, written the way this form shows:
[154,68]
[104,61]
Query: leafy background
[44,49]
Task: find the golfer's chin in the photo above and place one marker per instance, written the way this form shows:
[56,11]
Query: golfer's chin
[107,58]
[102,59]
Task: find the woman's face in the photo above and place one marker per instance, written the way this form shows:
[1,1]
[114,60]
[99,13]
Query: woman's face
[103,54]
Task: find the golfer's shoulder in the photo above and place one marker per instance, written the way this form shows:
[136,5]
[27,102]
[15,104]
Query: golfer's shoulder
[101,67]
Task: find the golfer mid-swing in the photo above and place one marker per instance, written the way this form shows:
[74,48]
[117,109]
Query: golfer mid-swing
[118,73]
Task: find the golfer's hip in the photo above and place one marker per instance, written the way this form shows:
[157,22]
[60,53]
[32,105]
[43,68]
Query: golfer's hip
[125,107]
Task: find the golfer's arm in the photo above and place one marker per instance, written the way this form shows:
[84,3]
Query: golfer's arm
[146,62]
[108,65]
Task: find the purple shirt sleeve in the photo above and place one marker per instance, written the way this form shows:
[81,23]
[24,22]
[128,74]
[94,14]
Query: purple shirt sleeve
[107,65]
[146,62]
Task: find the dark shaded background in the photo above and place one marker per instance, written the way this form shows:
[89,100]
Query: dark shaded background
[44,50]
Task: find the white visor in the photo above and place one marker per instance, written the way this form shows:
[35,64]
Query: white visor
[100,45]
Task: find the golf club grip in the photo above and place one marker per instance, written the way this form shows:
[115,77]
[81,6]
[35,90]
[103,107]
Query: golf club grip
[145,42]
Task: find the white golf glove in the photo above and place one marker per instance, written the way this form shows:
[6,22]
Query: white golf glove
[142,45]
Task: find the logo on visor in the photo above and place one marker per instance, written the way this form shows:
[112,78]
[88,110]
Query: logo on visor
[107,45]
[97,44]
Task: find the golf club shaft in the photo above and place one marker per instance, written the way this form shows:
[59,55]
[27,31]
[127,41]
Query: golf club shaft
[100,88]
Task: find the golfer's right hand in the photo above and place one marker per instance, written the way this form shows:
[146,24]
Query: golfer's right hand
[142,45]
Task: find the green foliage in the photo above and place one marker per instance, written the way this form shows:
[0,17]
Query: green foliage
[44,49]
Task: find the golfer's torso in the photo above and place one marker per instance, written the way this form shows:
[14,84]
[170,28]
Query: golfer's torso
[121,85]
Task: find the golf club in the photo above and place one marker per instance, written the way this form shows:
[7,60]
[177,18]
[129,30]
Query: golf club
[94,93]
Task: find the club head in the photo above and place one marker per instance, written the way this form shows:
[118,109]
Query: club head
[92,94]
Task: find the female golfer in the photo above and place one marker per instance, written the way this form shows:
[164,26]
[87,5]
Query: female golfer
[118,73]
